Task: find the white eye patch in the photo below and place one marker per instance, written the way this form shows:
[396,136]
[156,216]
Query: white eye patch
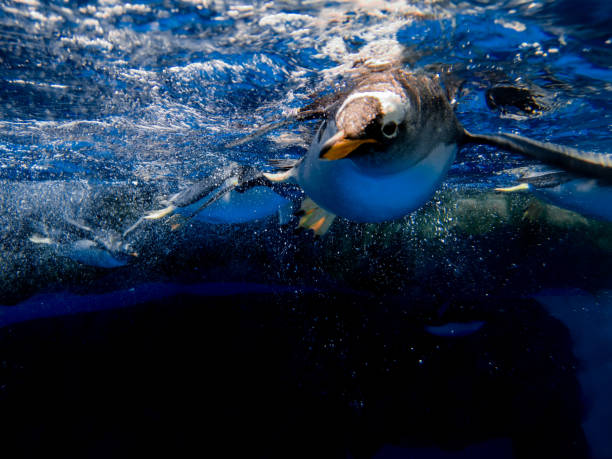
[393,107]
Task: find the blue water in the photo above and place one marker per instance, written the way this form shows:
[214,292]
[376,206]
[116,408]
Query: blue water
[107,108]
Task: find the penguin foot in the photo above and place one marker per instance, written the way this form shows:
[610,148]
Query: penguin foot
[177,221]
[314,217]
[157,214]
[511,189]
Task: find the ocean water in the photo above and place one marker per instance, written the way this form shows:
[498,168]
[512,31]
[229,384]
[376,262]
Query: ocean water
[478,326]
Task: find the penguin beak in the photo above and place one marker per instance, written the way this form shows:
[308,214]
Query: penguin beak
[338,146]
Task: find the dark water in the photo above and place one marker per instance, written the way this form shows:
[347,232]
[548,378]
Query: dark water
[479,326]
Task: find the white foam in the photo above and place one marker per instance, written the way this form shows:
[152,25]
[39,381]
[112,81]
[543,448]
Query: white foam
[281,22]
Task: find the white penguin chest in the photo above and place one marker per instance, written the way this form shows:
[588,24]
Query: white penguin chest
[345,189]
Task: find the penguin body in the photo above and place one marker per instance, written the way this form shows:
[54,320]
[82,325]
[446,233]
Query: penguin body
[588,196]
[255,203]
[102,248]
[88,252]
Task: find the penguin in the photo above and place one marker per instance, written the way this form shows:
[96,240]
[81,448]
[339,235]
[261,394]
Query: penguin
[233,194]
[588,196]
[100,248]
[384,145]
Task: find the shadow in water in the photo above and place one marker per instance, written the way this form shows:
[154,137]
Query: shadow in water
[291,375]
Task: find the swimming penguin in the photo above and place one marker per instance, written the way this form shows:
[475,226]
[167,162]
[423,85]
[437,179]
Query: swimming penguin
[385,144]
[589,196]
[232,194]
[101,248]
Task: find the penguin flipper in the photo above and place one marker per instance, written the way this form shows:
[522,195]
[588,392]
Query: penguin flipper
[315,218]
[530,178]
[548,179]
[582,162]
[78,224]
[284,164]
[284,170]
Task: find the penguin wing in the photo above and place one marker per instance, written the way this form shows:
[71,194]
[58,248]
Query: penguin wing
[582,162]
[538,177]
[548,180]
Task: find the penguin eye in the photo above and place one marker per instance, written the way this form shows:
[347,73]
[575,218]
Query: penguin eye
[389,129]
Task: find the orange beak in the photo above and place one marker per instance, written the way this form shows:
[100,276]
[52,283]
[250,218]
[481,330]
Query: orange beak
[338,147]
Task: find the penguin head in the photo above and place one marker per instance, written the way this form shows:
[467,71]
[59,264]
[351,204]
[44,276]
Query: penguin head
[368,123]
